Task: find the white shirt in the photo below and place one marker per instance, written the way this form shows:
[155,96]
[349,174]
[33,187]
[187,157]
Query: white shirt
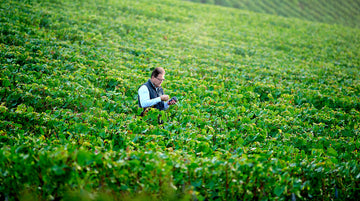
[144,97]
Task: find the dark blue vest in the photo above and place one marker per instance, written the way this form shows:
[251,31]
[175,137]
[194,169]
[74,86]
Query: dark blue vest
[154,94]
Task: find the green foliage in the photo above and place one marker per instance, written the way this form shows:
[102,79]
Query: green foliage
[345,13]
[268,106]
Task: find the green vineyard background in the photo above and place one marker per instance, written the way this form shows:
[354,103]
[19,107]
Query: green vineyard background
[268,106]
[344,13]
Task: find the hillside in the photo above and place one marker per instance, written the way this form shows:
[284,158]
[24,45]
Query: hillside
[346,13]
[268,106]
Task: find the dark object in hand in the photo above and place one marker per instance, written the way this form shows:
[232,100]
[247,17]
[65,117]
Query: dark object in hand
[173,98]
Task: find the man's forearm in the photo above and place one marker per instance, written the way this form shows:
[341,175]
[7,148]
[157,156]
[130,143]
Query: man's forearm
[149,102]
[144,98]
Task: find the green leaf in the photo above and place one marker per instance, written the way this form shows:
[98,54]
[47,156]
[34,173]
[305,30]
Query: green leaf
[279,190]
[58,170]
[84,158]
[332,152]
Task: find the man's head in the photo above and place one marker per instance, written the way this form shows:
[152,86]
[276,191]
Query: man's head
[158,76]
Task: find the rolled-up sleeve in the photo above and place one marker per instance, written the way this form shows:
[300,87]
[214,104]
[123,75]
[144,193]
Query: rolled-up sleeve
[166,105]
[144,97]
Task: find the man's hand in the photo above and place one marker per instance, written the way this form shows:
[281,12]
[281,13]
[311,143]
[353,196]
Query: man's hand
[164,97]
[172,102]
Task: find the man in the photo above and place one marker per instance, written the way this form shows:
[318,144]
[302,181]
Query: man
[151,93]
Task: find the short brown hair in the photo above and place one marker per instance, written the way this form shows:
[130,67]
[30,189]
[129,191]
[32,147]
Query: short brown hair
[157,71]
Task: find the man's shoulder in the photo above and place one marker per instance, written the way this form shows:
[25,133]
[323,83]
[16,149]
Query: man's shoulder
[143,87]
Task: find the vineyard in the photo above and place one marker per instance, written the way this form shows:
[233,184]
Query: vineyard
[269,107]
[346,13]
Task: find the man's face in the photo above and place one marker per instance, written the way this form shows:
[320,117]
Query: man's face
[158,80]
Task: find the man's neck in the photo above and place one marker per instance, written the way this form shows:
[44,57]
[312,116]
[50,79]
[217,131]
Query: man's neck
[153,85]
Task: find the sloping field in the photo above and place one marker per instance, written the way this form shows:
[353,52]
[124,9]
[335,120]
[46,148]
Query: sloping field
[346,13]
[268,106]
